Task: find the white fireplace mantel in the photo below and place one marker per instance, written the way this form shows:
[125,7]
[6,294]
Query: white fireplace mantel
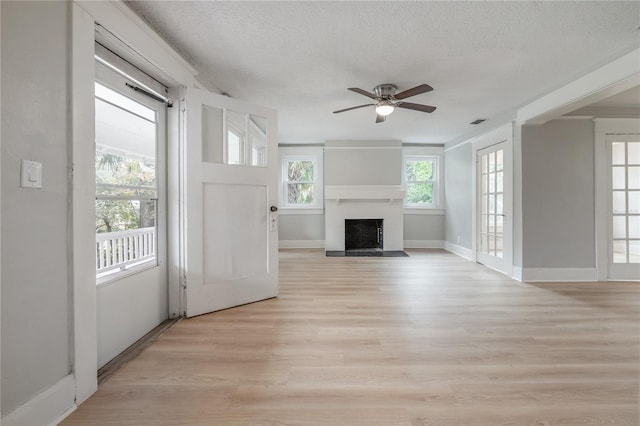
[364,192]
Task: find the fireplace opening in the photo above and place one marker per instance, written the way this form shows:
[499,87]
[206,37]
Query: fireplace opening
[363,235]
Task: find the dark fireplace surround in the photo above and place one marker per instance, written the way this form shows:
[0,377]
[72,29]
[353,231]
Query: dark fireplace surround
[363,235]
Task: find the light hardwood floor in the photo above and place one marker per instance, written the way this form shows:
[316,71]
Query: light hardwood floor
[432,339]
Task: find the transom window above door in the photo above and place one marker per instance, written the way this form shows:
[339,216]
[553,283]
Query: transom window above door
[242,141]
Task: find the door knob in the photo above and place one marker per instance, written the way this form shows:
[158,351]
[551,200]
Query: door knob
[274,209]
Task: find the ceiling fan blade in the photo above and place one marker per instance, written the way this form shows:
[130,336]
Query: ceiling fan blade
[416,107]
[363,92]
[349,109]
[380,118]
[423,88]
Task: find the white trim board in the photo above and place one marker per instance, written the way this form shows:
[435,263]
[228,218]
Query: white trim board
[409,211]
[459,250]
[82,224]
[559,275]
[0,222]
[615,77]
[417,244]
[294,244]
[360,147]
[47,408]
[516,273]
[286,211]
[128,27]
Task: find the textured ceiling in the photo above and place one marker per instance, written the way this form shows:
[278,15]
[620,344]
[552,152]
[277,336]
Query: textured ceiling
[483,59]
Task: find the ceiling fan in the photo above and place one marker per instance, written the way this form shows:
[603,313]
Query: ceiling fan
[387,100]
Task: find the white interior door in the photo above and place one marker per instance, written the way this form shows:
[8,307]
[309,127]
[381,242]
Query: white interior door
[493,211]
[623,183]
[231,189]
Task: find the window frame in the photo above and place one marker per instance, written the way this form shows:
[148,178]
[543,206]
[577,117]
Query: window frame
[314,155]
[115,82]
[425,153]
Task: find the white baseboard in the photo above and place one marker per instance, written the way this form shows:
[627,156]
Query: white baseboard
[558,274]
[459,250]
[47,408]
[293,244]
[423,244]
[516,273]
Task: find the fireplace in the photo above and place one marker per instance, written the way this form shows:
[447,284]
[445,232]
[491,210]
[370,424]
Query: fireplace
[375,202]
[363,234]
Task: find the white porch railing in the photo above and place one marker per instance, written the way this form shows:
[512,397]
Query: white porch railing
[117,250]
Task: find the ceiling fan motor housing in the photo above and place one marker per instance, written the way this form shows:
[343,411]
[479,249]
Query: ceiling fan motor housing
[385,91]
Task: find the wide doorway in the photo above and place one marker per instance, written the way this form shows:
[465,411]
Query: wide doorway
[130,146]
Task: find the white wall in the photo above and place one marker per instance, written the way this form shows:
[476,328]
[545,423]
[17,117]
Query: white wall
[424,229]
[35,125]
[365,167]
[459,196]
[297,227]
[558,195]
[363,163]
[122,321]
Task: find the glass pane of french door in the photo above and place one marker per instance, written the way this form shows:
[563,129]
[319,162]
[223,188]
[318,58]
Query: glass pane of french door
[492,203]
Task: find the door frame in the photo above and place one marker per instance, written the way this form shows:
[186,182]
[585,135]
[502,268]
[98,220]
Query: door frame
[494,137]
[605,127]
[143,48]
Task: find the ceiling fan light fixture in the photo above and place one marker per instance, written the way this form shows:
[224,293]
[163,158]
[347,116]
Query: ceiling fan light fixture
[384,108]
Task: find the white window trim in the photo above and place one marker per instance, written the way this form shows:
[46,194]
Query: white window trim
[315,155]
[425,153]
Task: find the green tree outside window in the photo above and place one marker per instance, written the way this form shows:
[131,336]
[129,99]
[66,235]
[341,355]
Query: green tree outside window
[420,182]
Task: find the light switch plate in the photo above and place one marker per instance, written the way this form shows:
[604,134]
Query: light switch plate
[31,174]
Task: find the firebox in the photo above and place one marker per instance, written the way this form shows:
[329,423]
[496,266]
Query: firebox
[363,234]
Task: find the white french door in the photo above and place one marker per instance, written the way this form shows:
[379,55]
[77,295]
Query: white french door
[493,207]
[623,183]
[231,197]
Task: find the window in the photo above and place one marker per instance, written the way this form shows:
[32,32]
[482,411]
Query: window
[301,178]
[300,181]
[421,179]
[126,184]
